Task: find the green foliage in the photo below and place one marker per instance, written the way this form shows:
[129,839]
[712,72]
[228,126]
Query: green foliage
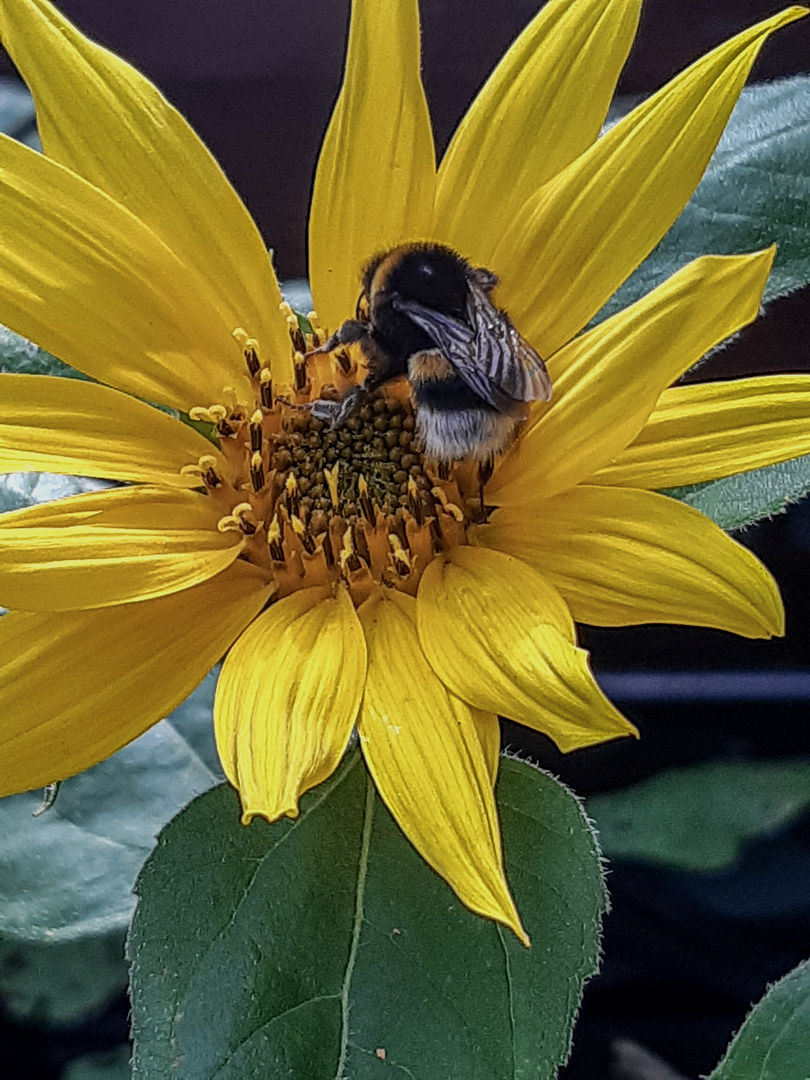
[774,1041]
[336,952]
[699,817]
[737,501]
[755,192]
[66,877]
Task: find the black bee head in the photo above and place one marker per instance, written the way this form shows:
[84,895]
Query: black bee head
[431,275]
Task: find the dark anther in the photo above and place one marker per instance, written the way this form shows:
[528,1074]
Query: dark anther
[266,393]
[344,360]
[300,375]
[252,361]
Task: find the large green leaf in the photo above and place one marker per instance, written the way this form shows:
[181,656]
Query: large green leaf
[756,191]
[324,947]
[774,1041]
[736,501]
[698,817]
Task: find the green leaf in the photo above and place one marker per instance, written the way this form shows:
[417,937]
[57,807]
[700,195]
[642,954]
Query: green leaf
[755,191]
[699,817]
[324,947]
[774,1041]
[62,982]
[737,501]
[107,1065]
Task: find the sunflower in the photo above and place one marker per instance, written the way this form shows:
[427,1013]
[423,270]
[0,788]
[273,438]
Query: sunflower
[348,581]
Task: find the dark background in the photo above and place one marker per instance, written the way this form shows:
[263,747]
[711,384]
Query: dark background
[684,954]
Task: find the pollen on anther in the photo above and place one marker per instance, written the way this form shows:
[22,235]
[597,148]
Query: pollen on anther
[401,557]
[257,471]
[266,388]
[274,540]
[331,477]
[447,506]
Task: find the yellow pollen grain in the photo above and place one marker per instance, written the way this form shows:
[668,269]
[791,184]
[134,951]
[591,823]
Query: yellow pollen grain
[240,336]
[274,532]
[256,460]
[257,417]
[298,525]
[291,485]
[362,486]
[348,541]
[286,310]
[265,376]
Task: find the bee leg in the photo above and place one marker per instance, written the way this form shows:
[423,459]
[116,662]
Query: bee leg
[338,412]
[346,334]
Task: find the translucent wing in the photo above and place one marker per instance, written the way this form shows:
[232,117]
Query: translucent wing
[487,351]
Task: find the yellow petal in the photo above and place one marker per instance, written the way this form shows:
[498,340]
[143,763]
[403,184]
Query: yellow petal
[489,735]
[376,173]
[110,547]
[621,557]
[83,278]
[607,382]
[81,429]
[542,107]
[77,686]
[422,747]
[582,234]
[287,699]
[708,430]
[491,628]
[105,121]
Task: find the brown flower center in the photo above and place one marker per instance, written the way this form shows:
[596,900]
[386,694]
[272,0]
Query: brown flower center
[315,504]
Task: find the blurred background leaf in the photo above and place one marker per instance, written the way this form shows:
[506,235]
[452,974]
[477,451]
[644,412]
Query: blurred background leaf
[699,817]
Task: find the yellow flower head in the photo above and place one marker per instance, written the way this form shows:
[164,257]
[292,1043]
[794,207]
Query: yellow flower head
[350,581]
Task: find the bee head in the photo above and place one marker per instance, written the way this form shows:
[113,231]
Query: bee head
[430,274]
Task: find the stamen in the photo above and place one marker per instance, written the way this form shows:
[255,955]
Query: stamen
[274,540]
[317,330]
[447,506]
[293,327]
[251,352]
[257,471]
[300,369]
[240,512]
[343,360]
[348,556]
[414,502]
[228,524]
[206,468]
[256,431]
[216,413]
[291,496]
[331,476]
[401,559]
[266,388]
[300,531]
[366,504]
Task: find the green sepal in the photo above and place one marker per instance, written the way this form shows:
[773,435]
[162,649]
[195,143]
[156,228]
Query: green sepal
[734,502]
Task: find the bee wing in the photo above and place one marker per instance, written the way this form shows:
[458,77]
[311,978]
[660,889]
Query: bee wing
[508,359]
[488,353]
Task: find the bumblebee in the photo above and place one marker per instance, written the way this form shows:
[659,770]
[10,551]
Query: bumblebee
[425,313]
